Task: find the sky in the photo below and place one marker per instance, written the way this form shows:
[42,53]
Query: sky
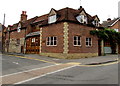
[14,8]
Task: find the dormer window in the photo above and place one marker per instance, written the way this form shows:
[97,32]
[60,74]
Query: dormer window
[18,28]
[52,19]
[96,23]
[82,19]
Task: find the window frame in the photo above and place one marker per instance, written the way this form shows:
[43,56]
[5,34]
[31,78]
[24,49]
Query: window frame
[88,42]
[82,18]
[51,20]
[33,40]
[96,23]
[77,41]
[48,43]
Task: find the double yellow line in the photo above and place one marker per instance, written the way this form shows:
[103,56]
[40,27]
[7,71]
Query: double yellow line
[34,59]
[74,63]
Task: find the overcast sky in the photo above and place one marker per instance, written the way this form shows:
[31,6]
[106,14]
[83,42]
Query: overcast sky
[13,8]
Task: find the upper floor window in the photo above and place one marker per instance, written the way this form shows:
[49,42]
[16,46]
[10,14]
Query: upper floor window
[52,19]
[82,19]
[88,42]
[77,41]
[96,23]
[18,28]
[51,41]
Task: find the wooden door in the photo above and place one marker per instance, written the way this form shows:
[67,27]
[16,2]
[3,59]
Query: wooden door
[33,45]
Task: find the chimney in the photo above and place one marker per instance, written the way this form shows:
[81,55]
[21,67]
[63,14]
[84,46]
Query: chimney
[109,19]
[23,16]
[80,7]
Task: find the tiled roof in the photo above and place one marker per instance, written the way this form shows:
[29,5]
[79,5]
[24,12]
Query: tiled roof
[65,14]
[110,23]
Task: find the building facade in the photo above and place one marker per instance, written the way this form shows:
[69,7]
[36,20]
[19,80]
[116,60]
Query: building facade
[111,24]
[63,33]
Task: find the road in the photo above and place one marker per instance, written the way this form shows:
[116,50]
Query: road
[32,71]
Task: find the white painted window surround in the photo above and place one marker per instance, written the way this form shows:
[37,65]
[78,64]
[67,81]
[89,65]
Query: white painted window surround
[51,41]
[76,41]
[82,19]
[52,19]
[88,42]
[18,28]
[96,23]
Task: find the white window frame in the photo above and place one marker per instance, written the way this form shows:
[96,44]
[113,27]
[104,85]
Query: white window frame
[18,28]
[82,18]
[48,43]
[96,23]
[33,40]
[77,41]
[88,42]
[52,19]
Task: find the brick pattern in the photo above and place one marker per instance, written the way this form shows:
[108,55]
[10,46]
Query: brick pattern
[49,31]
[83,31]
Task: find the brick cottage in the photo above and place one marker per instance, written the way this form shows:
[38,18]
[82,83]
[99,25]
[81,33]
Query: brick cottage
[63,33]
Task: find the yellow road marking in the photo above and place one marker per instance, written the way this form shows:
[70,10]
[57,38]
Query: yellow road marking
[73,63]
[34,59]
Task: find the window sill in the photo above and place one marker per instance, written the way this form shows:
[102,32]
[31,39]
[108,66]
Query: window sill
[77,45]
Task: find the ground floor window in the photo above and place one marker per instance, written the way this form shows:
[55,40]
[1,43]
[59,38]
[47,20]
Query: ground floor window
[51,41]
[88,42]
[77,41]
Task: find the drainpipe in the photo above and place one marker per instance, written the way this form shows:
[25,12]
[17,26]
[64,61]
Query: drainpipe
[24,42]
[102,47]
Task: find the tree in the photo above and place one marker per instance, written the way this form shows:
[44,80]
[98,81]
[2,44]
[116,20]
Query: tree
[108,35]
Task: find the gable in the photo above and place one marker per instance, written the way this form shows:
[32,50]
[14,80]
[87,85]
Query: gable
[83,13]
[52,12]
[96,18]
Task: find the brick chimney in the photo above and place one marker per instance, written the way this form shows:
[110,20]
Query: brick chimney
[109,19]
[23,16]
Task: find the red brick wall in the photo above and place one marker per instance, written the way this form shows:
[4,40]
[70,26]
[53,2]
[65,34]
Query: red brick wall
[83,31]
[17,35]
[52,30]
[116,26]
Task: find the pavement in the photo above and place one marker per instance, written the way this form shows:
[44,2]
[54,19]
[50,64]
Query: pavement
[84,61]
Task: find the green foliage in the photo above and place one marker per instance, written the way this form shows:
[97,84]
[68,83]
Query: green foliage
[108,35]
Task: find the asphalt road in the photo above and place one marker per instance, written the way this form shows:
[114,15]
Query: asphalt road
[58,74]
[12,64]
[81,75]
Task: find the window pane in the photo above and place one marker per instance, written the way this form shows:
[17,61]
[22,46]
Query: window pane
[75,38]
[51,43]
[87,43]
[55,38]
[78,42]
[87,39]
[75,43]
[51,38]
[55,43]
[52,19]
[48,39]
[78,38]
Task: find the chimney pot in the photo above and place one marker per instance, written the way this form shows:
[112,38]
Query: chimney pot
[109,19]
[23,16]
